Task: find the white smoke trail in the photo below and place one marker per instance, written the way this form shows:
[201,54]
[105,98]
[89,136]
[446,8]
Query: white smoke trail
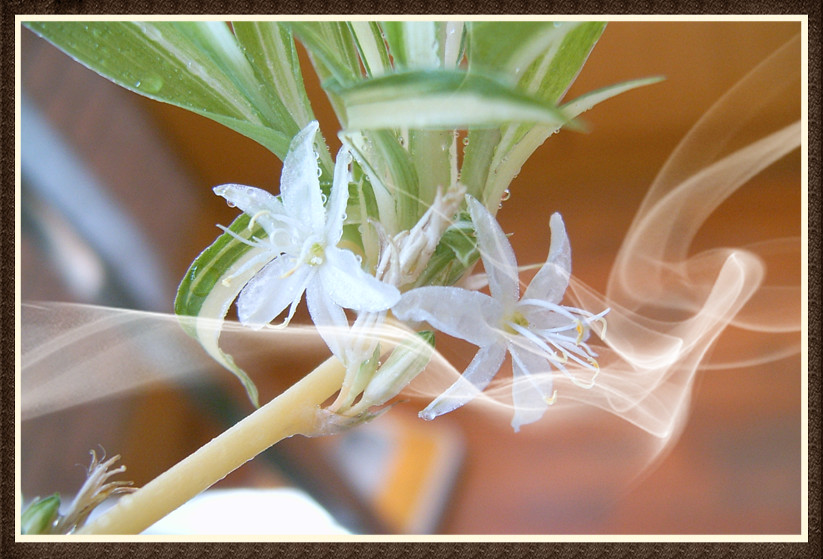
[668,306]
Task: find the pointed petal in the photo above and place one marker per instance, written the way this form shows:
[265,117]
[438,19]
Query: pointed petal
[270,291]
[263,206]
[345,282]
[336,211]
[471,383]
[531,387]
[497,254]
[328,318]
[299,183]
[460,313]
[550,283]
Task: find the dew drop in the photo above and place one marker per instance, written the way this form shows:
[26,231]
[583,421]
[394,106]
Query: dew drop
[152,83]
[466,141]
[506,195]
[152,32]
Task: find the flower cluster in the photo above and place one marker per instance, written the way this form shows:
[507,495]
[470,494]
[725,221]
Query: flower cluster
[301,254]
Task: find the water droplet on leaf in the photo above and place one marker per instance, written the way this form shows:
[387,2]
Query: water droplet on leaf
[151,83]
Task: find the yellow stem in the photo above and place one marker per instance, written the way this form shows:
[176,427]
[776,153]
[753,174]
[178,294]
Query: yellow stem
[292,412]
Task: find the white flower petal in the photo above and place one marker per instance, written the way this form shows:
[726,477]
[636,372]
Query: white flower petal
[472,382]
[263,206]
[349,286]
[531,387]
[336,211]
[550,283]
[460,313]
[328,318]
[497,254]
[299,183]
[270,291]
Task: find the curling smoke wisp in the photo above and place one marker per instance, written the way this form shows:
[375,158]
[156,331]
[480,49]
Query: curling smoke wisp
[668,305]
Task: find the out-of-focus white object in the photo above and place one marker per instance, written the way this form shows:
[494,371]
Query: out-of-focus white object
[248,512]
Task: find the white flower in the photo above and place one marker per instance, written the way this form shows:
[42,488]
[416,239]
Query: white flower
[302,234]
[536,330]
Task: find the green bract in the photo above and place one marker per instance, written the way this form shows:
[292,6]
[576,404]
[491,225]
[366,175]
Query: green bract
[423,106]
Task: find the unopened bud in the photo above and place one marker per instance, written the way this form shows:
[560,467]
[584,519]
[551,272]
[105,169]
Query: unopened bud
[406,362]
[40,516]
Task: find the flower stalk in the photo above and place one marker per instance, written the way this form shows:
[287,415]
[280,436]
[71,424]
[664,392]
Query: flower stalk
[294,412]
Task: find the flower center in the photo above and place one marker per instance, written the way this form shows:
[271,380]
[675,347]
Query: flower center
[316,255]
[514,318]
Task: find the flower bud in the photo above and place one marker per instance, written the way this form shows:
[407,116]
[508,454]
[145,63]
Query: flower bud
[406,361]
[40,516]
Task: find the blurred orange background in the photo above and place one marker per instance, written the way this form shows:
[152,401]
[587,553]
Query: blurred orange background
[736,469]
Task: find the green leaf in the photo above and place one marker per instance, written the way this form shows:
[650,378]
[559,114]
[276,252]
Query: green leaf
[434,156]
[212,283]
[550,75]
[371,47]
[413,44]
[507,49]
[194,65]
[542,59]
[588,100]
[507,168]
[391,175]
[270,50]
[361,213]
[39,516]
[438,100]
[477,157]
[332,44]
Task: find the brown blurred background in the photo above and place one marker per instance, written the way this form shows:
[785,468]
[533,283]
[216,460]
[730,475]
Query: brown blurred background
[736,469]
